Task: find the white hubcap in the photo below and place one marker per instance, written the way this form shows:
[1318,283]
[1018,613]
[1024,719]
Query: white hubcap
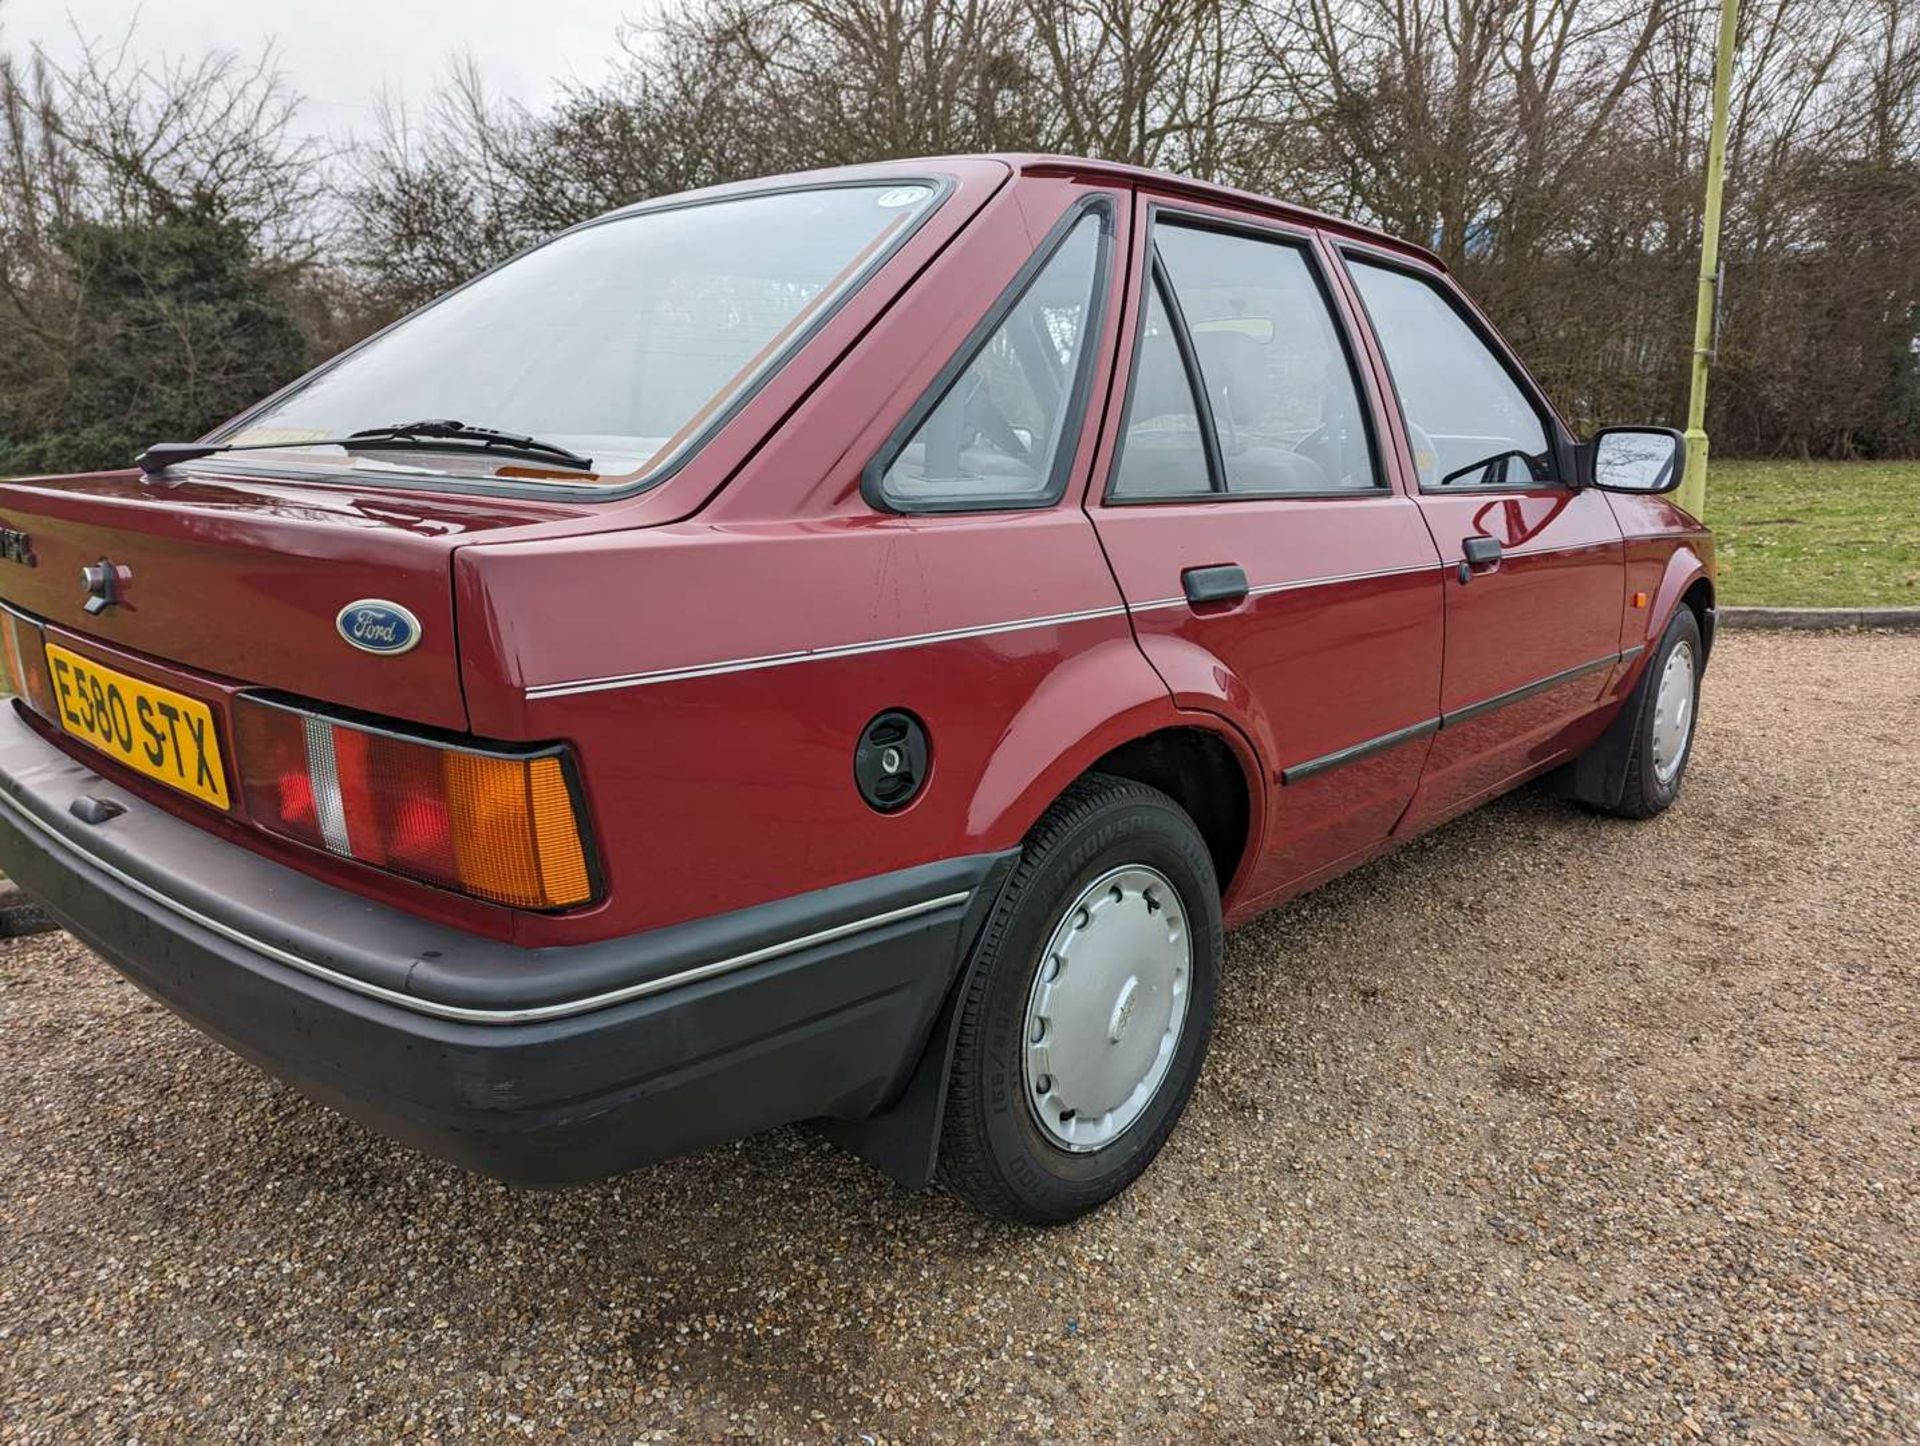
[1673,713]
[1107,1006]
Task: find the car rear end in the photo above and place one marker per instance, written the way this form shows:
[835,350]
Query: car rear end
[240,762]
[188,640]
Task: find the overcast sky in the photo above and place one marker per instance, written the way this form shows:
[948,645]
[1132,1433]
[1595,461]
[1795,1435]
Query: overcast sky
[340,53]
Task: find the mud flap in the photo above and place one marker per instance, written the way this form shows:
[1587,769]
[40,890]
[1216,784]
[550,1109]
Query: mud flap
[1599,776]
[903,1140]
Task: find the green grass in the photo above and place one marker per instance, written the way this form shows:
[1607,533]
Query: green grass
[1816,534]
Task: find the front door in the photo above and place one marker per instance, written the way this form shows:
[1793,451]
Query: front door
[1537,575]
[1271,571]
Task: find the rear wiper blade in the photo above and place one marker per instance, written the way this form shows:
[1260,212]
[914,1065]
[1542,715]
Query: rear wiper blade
[432,432]
[404,434]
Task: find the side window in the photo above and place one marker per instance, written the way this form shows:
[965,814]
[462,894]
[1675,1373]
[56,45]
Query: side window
[1280,386]
[1162,453]
[1468,420]
[997,435]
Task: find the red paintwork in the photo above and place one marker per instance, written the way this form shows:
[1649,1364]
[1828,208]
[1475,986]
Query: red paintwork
[244,579]
[721,790]
[1302,670]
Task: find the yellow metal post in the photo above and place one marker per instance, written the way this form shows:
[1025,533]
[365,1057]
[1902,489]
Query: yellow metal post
[1693,489]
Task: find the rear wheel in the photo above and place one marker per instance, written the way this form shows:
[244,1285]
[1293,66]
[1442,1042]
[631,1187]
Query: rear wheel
[1088,1008]
[1669,706]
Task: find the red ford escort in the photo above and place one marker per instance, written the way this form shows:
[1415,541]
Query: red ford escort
[833,648]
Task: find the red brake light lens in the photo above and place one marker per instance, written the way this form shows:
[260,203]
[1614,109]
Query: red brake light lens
[505,827]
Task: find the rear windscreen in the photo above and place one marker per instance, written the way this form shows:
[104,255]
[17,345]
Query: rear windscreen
[623,341]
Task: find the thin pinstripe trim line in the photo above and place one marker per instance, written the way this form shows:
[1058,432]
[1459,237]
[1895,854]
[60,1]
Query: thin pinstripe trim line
[1548,551]
[913,640]
[808,655]
[950,635]
[1297,584]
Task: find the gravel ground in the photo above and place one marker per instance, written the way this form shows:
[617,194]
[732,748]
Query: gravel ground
[1548,1125]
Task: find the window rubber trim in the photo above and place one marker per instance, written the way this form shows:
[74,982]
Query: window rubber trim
[943,187]
[1272,235]
[1073,419]
[1158,281]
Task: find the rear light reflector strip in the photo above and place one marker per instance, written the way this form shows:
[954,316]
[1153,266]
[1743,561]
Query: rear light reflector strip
[23,649]
[501,826]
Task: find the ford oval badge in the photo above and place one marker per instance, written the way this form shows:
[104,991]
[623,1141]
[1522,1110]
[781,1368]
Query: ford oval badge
[374,625]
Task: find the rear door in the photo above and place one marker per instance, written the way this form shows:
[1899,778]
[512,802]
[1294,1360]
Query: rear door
[1272,570]
[1536,577]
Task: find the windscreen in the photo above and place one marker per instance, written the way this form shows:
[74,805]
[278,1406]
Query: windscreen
[623,341]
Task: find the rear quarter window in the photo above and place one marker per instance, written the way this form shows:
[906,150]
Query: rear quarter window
[996,430]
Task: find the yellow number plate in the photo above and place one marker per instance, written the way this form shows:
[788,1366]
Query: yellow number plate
[152,730]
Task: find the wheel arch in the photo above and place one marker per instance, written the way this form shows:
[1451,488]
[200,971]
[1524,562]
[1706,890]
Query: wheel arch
[1687,582]
[1058,738]
[1699,597]
[1106,710]
[1194,765]
[1598,777]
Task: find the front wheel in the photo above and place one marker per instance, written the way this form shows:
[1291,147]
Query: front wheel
[1663,735]
[1088,1008]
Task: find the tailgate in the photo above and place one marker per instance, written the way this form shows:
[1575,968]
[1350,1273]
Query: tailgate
[247,580]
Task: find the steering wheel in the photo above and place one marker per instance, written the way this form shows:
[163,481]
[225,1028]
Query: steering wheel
[1338,445]
[1326,447]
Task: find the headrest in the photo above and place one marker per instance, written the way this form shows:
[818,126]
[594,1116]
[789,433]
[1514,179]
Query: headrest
[1236,371]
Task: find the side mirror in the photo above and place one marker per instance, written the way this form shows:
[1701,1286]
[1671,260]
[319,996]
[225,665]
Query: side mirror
[1636,459]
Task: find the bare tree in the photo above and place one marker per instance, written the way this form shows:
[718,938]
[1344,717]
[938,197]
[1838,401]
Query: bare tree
[158,222]
[1549,150]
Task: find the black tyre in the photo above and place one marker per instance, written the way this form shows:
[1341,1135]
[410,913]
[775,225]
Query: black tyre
[1087,1009]
[1668,707]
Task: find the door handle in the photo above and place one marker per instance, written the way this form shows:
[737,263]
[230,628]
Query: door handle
[1478,552]
[1223,582]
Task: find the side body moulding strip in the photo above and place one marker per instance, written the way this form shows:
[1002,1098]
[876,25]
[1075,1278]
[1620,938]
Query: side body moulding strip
[1526,690]
[1353,753]
[1366,748]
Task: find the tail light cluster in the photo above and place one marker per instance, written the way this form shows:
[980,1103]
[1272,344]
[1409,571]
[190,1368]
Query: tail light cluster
[500,824]
[23,650]
[503,826]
